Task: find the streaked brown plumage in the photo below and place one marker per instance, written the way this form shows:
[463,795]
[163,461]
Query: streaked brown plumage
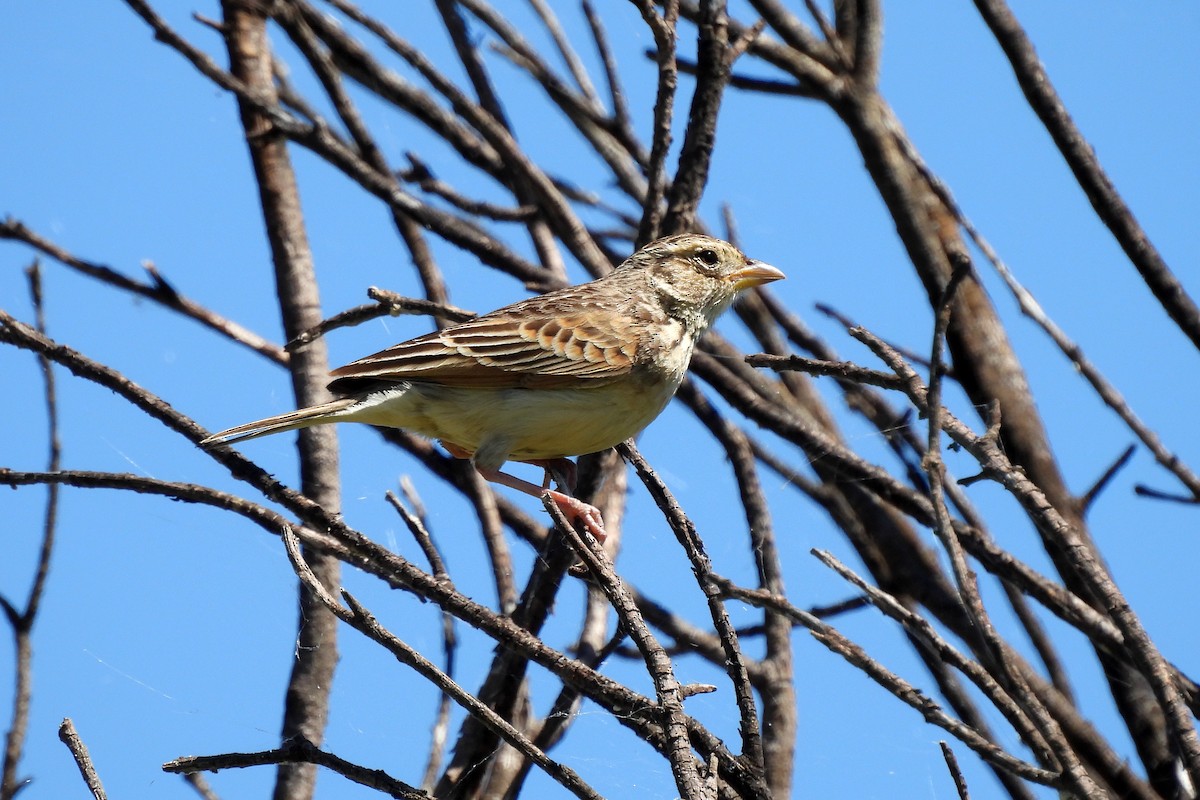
[571,372]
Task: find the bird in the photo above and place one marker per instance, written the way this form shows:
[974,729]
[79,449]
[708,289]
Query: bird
[574,371]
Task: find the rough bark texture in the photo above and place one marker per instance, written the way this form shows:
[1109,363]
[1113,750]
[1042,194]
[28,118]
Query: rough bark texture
[306,702]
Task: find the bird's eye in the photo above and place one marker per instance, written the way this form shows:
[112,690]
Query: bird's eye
[709,257]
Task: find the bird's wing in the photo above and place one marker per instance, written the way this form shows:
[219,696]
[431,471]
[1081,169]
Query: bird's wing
[532,344]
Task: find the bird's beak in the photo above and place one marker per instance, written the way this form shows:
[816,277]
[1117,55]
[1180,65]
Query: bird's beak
[755,273]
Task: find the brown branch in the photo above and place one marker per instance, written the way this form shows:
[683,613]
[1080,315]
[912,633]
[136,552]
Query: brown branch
[1047,741]
[68,736]
[688,638]
[386,303]
[983,678]
[197,782]
[157,290]
[714,60]
[620,108]
[1093,492]
[792,427]
[842,370]
[561,713]
[996,465]
[735,667]
[960,783]
[420,174]
[15,332]
[269,520]
[363,621]
[663,28]
[1040,639]
[23,620]
[563,44]
[299,750]
[837,609]
[414,521]
[776,678]
[901,689]
[798,36]
[868,41]
[810,61]
[1081,158]
[505,686]
[307,700]
[667,688]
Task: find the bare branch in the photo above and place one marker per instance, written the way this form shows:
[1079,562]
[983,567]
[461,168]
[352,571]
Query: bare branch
[157,290]
[299,750]
[363,621]
[1081,159]
[667,688]
[386,303]
[960,783]
[68,736]
[930,710]
[23,620]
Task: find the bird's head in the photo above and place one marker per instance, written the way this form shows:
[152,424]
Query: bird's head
[697,277]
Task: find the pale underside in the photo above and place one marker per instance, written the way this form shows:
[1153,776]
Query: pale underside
[522,424]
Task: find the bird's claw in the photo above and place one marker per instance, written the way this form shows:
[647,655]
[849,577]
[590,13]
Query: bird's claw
[575,510]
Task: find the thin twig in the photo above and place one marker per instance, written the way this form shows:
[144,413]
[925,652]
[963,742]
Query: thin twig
[960,783]
[202,787]
[441,724]
[68,736]
[843,370]
[387,303]
[1082,160]
[23,620]
[505,689]
[667,688]
[363,621]
[299,750]
[1030,307]
[157,290]
[663,29]
[917,626]
[563,44]
[901,689]
[702,568]
[1093,492]
[995,463]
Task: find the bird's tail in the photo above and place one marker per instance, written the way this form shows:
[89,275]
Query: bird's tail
[302,418]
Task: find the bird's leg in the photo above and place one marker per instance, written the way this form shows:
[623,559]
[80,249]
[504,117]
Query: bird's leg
[563,471]
[573,508]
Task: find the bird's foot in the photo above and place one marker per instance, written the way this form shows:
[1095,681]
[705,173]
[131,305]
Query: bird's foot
[575,510]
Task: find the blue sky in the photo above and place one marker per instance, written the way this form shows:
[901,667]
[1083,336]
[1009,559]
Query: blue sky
[167,628]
